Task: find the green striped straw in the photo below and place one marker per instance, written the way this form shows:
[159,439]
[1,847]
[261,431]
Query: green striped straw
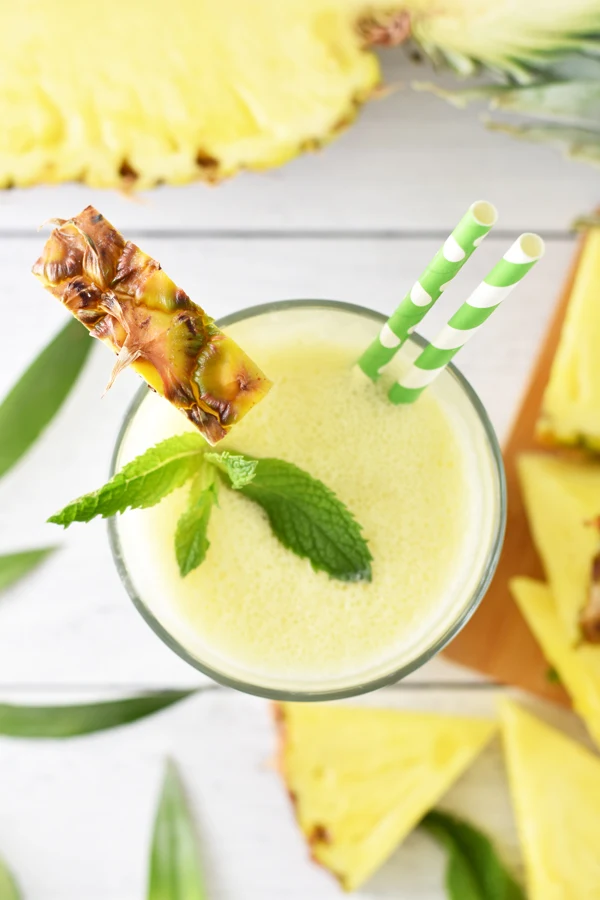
[448,261]
[468,319]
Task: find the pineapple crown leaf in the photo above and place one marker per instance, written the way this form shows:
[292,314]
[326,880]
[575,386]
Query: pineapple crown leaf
[304,514]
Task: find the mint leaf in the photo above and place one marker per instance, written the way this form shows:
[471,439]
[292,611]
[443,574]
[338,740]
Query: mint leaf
[309,519]
[191,542]
[70,721]
[239,469]
[8,886]
[474,870]
[175,871]
[14,566]
[39,393]
[141,483]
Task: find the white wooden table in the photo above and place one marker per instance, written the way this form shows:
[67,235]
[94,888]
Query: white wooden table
[354,223]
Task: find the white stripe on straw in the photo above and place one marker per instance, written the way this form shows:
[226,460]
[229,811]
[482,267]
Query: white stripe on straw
[469,318]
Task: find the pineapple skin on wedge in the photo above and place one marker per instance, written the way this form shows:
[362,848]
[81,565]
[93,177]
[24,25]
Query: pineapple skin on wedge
[577,665]
[125,299]
[562,498]
[361,779]
[555,788]
[571,404]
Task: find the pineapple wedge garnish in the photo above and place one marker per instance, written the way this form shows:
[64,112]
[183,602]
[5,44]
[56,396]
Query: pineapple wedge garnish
[571,405]
[555,788]
[361,779]
[562,498]
[577,665]
[125,299]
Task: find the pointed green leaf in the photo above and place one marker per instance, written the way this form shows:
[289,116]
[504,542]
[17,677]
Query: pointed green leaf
[568,102]
[8,886]
[175,871]
[239,469]
[70,721]
[191,541]
[474,870]
[38,395]
[308,519]
[577,143]
[14,566]
[141,483]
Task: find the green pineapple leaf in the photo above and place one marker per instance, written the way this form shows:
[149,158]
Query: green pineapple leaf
[14,566]
[474,870]
[77,719]
[141,483]
[8,886]
[40,392]
[175,871]
[191,542]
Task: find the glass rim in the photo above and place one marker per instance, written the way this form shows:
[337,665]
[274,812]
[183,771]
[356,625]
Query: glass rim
[398,673]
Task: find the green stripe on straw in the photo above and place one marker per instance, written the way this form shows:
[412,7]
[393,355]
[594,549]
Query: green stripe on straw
[468,319]
[448,261]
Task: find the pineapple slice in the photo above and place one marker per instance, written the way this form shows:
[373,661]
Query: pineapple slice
[563,500]
[177,90]
[578,667]
[361,779]
[555,787]
[571,405]
[124,298]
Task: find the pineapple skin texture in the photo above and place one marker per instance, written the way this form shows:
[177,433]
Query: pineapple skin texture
[361,779]
[191,89]
[125,299]
[555,788]
[570,412]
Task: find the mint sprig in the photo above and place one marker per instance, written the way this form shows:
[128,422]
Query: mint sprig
[191,541]
[474,870]
[304,514]
[141,483]
[239,469]
[308,519]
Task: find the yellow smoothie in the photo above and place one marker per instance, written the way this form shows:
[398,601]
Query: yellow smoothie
[419,479]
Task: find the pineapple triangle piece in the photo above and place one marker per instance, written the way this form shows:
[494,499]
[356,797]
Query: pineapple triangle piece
[361,779]
[562,497]
[125,299]
[578,666]
[571,405]
[555,788]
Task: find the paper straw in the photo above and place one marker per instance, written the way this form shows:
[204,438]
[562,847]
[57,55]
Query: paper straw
[468,319]
[448,261]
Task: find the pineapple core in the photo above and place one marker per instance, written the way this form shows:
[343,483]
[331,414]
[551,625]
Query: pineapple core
[124,298]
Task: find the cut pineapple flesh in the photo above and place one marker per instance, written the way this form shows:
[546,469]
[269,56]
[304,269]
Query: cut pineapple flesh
[173,90]
[562,498]
[578,666]
[361,779]
[140,93]
[571,404]
[555,788]
[125,299]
